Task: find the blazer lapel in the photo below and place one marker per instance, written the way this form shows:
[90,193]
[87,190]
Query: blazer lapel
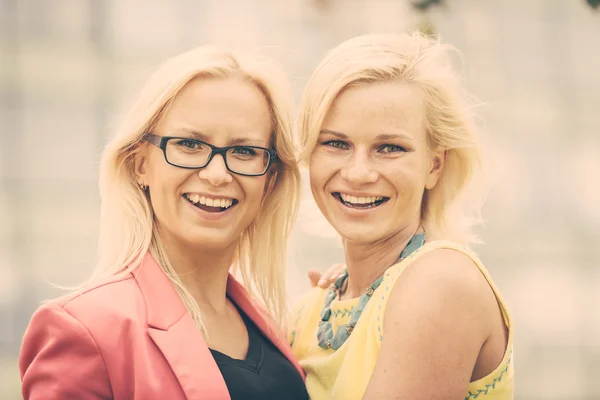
[173,330]
[267,326]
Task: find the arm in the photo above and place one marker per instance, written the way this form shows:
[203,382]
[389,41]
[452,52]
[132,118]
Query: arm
[435,323]
[60,360]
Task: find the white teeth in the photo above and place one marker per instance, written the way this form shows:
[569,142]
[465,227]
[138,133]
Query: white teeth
[197,199]
[360,200]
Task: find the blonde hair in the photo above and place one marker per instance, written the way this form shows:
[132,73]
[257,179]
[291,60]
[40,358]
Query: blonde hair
[127,227]
[452,207]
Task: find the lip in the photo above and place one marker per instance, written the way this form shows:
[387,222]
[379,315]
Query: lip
[210,216]
[358,212]
[357,194]
[211,196]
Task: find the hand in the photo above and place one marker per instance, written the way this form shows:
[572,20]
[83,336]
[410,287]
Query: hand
[324,280]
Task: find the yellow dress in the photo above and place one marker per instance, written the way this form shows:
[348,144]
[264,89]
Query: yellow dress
[344,373]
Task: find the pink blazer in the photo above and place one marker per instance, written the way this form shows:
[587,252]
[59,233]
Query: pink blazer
[127,338]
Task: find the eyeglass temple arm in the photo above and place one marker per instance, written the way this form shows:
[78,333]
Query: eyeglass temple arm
[273,153]
[154,139]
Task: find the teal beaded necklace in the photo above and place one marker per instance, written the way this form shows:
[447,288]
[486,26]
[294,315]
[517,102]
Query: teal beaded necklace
[327,339]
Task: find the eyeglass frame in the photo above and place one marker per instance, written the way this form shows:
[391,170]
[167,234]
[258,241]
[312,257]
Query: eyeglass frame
[161,143]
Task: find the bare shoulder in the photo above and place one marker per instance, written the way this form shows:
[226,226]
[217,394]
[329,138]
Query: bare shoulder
[435,324]
[446,270]
[444,284]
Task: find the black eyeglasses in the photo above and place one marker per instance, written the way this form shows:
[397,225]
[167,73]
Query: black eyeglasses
[193,154]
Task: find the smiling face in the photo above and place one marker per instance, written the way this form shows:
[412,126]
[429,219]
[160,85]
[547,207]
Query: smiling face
[207,208]
[372,164]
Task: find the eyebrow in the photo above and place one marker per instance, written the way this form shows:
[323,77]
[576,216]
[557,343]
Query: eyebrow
[235,142]
[380,137]
[392,136]
[247,141]
[195,134]
[334,133]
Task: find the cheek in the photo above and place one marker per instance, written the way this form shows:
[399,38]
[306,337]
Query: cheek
[169,184]
[313,164]
[407,180]
[317,185]
[161,174]
[321,169]
[254,188]
[253,199]
[166,187]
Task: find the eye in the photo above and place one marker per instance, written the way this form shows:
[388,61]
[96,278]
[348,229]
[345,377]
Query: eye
[391,149]
[244,151]
[336,144]
[190,144]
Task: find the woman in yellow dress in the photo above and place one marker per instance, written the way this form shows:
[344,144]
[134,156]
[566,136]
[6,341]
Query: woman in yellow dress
[389,137]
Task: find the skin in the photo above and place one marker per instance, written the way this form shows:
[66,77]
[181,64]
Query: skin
[373,143]
[222,112]
[323,280]
[442,326]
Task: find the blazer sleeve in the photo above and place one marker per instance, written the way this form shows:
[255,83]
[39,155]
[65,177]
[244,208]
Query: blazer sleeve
[60,360]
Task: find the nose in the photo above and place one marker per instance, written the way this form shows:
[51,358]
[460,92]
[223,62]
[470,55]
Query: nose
[216,172]
[359,170]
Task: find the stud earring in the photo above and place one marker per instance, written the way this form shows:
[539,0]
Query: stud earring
[142,186]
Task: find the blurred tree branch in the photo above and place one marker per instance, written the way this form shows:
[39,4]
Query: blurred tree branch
[594,3]
[424,5]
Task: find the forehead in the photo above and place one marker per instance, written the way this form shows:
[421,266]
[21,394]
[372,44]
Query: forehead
[378,108]
[220,108]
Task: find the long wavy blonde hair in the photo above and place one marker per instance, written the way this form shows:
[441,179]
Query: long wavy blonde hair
[452,208]
[127,226]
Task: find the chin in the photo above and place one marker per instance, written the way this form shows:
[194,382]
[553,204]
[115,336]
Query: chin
[208,240]
[358,235]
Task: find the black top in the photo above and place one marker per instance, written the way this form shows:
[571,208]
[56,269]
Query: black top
[264,374]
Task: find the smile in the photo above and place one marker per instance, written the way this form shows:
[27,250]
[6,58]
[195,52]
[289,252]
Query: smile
[360,202]
[210,204]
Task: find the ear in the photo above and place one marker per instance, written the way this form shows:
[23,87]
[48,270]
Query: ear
[438,160]
[140,167]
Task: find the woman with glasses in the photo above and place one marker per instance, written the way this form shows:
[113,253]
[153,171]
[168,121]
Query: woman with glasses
[393,155]
[201,177]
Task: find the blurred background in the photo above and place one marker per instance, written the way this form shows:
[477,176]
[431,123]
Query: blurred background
[69,67]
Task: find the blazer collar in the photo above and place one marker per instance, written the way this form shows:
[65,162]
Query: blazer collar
[173,330]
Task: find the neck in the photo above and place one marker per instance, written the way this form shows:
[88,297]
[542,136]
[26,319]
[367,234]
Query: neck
[368,261]
[203,271]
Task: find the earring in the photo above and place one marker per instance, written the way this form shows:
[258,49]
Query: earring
[142,186]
